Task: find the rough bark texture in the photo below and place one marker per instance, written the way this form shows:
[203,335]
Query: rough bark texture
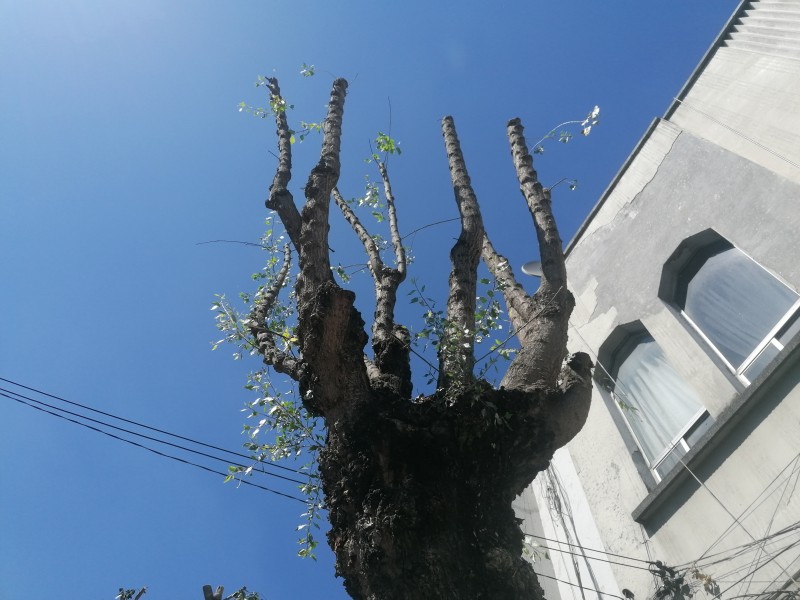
[419,491]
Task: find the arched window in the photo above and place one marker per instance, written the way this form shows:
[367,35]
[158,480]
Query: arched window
[745,313]
[662,412]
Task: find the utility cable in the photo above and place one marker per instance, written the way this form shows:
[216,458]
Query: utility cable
[153,450]
[143,426]
[600,593]
[541,537]
[5,392]
[597,558]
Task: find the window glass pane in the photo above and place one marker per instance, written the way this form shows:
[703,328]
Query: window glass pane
[760,362]
[791,329]
[736,303]
[698,430]
[658,404]
[670,460]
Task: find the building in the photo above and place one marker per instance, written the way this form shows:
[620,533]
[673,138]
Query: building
[686,277]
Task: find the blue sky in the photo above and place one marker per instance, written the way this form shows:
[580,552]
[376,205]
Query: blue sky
[121,148]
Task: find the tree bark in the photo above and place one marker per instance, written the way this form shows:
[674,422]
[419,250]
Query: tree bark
[419,491]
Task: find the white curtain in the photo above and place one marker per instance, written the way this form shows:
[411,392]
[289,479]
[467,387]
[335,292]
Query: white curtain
[656,402]
[735,303]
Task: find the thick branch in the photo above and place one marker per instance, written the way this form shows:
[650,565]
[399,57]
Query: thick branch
[569,412]
[538,199]
[280,360]
[280,198]
[315,266]
[456,356]
[330,329]
[545,340]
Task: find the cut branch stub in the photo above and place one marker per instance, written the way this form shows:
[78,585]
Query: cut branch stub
[456,352]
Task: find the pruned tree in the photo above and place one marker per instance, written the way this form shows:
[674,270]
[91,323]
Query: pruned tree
[419,490]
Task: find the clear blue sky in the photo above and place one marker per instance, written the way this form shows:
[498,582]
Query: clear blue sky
[121,148]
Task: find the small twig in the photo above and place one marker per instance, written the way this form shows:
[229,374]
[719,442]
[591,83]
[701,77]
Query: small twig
[430,225]
[232,242]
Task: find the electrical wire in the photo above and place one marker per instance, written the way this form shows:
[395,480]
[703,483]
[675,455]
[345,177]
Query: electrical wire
[763,564]
[541,537]
[600,593]
[611,562]
[153,450]
[752,507]
[5,392]
[143,426]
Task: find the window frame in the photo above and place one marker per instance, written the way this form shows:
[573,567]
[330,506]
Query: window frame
[771,339]
[617,349]
[684,264]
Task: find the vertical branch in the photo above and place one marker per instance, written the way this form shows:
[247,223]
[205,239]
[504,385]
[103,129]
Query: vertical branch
[330,330]
[370,247]
[397,241]
[539,361]
[550,249]
[315,265]
[456,356]
[389,341]
[280,198]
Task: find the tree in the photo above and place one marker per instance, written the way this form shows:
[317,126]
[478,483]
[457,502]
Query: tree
[419,490]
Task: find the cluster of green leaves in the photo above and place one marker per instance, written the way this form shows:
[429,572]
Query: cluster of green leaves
[235,324]
[386,144]
[448,339]
[677,584]
[275,106]
[278,425]
[533,550]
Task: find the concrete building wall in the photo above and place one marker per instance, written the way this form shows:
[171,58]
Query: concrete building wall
[726,157]
[744,98]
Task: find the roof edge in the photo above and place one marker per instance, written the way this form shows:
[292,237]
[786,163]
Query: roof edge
[599,204]
[743,5]
[709,54]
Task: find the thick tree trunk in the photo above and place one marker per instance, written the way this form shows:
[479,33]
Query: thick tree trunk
[420,496]
[419,491]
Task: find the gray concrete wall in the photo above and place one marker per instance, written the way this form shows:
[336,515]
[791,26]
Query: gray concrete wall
[727,157]
[676,186]
[746,97]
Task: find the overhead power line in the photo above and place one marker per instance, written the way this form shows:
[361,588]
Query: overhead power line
[598,592]
[153,450]
[5,392]
[584,548]
[82,419]
[143,426]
